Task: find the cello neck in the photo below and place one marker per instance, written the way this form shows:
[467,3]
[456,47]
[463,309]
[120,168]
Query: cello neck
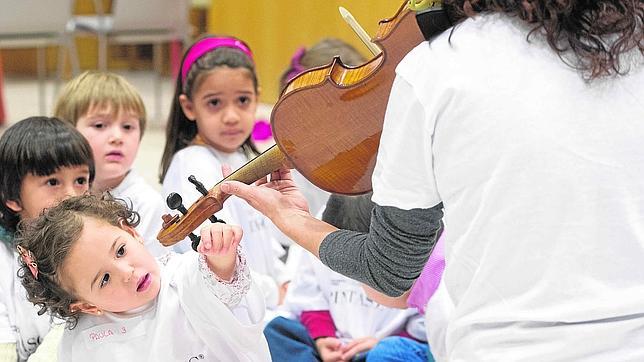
[260,166]
[176,229]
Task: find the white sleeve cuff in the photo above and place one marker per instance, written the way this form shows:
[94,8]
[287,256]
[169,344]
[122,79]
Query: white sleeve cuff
[229,292]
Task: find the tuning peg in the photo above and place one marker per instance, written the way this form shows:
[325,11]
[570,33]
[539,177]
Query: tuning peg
[195,240]
[175,202]
[200,187]
[169,220]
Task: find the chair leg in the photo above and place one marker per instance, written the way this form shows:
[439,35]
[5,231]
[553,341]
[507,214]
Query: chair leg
[60,69]
[102,51]
[40,61]
[73,55]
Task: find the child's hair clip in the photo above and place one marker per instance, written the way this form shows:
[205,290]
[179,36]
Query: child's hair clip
[296,64]
[28,258]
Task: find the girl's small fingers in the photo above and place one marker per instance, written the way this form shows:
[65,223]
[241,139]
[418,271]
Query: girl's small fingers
[226,238]
[217,240]
[238,233]
[206,241]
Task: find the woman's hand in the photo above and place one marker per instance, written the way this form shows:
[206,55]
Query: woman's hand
[276,198]
[282,202]
[219,244]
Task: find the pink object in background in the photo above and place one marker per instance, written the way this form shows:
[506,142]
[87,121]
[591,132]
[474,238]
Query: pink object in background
[262,130]
[429,278]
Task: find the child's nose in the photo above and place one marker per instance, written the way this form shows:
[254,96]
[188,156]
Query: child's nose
[116,135]
[126,272]
[231,115]
[70,191]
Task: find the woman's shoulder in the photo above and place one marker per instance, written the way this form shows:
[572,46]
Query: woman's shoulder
[487,33]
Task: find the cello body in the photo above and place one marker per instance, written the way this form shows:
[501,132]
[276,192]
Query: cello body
[328,120]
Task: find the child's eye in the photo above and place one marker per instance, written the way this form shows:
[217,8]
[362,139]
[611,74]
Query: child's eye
[106,278]
[121,251]
[214,102]
[52,182]
[244,100]
[98,125]
[82,180]
[128,126]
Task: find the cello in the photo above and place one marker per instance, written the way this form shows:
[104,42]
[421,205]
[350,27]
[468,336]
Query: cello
[326,124]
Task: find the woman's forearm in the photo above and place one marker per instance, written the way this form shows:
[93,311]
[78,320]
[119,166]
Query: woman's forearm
[391,256]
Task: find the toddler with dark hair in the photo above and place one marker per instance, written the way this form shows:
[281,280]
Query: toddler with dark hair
[43,160]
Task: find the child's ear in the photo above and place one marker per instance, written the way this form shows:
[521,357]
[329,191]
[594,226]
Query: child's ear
[132,231]
[85,307]
[187,106]
[13,206]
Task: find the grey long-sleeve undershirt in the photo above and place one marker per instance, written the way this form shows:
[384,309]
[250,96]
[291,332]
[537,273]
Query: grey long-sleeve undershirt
[391,256]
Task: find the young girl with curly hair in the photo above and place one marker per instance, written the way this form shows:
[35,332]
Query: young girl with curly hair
[121,304]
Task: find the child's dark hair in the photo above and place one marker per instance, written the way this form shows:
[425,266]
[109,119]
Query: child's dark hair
[349,212]
[180,131]
[50,237]
[40,146]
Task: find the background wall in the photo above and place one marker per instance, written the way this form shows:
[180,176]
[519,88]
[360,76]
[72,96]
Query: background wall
[275,29]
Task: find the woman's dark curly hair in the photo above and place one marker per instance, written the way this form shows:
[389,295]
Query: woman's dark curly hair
[51,236]
[597,32]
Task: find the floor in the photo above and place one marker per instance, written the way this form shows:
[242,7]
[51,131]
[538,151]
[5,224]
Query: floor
[21,101]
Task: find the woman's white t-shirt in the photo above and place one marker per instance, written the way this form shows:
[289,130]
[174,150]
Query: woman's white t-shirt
[541,176]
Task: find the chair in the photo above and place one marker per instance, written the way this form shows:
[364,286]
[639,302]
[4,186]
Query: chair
[38,24]
[137,22]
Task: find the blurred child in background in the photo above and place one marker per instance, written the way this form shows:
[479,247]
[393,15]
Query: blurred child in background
[212,116]
[336,321]
[109,112]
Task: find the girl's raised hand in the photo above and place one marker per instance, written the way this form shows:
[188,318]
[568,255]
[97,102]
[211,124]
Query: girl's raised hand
[219,244]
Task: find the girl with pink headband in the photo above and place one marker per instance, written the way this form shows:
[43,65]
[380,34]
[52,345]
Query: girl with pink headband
[210,125]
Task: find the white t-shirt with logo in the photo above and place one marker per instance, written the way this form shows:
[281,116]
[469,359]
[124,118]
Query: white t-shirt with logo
[541,174]
[318,288]
[187,322]
[19,319]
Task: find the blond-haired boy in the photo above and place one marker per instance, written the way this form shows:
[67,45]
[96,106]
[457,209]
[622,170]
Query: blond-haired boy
[110,113]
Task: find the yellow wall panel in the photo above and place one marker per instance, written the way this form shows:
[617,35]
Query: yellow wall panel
[275,29]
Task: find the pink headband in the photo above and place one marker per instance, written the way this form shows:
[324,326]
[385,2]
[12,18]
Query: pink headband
[205,45]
